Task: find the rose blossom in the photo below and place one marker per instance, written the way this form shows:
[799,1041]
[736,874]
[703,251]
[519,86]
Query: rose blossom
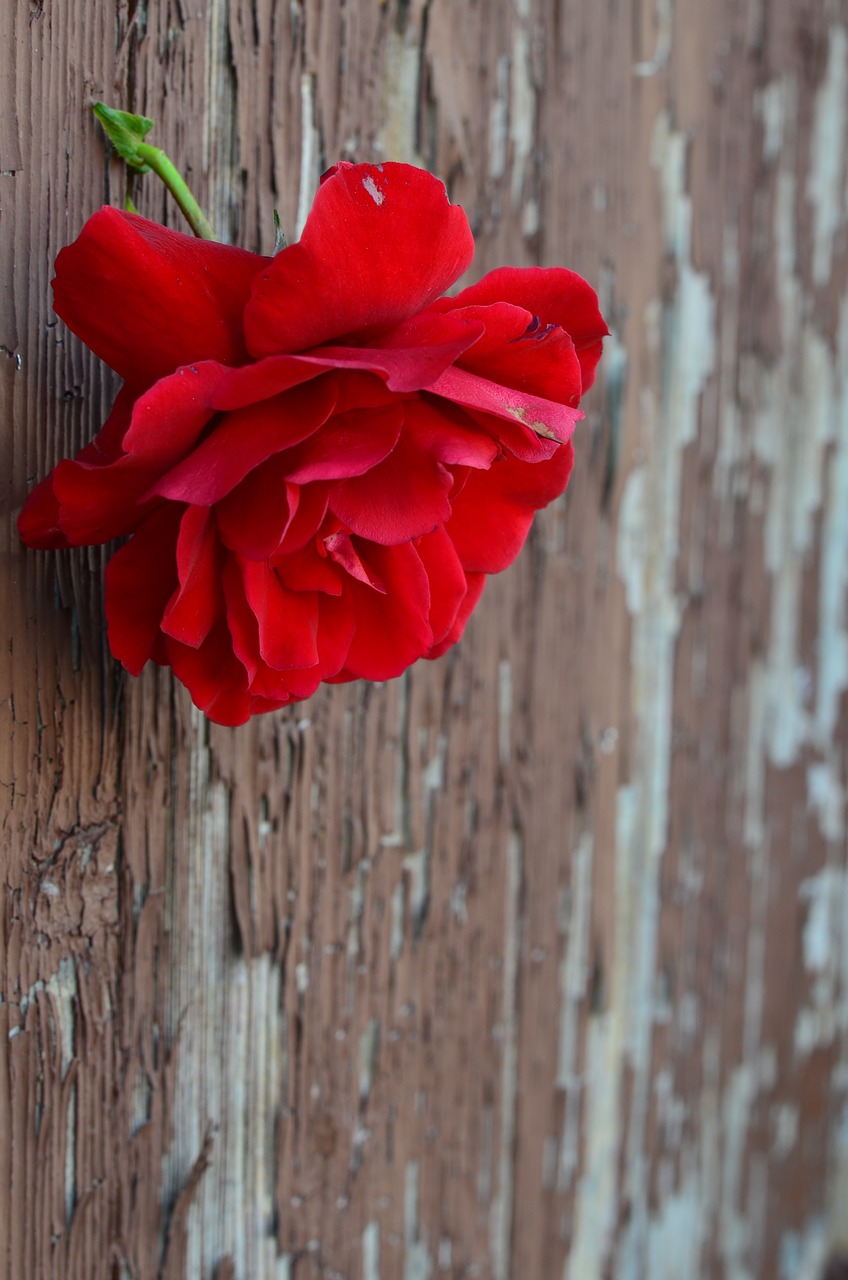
[317,458]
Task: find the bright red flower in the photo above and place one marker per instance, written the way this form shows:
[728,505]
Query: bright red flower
[318,458]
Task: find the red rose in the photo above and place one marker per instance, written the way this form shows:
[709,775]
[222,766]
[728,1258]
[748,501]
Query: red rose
[317,457]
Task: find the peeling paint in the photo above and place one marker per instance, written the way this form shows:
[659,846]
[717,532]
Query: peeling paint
[826,178]
[310,153]
[398,134]
[803,1255]
[369,1048]
[417,1262]
[662,51]
[574,978]
[62,987]
[371,1252]
[504,711]
[824,948]
[826,797]
[675,1236]
[683,334]
[522,107]
[832,678]
[502,1206]
[499,120]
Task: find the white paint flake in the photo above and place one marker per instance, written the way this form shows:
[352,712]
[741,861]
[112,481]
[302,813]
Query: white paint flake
[662,51]
[826,176]
[676,1234]
[310,150]
[499,120]
[371,1252]
[833,589]
[400,97]
[417,1262]
[522,104]
[575,924]
[500,1232]
[373,190]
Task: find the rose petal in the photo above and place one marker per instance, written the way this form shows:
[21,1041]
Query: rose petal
[340,547]
[392,630]
[140,579]
[253,517]
[309,570]
[265,379]
[347,445]
[555,295]
[448,586]
[243,439]
[197,602]
[360,389]
[241,620]
[493,512]
[39,520]
[403,497]
[546,418]
[99,501]
[167,420]
[288,620]
[215,678]
[381,242]
[449,434]
[146,299]
[476,583]
[307,519]
[516,439]
[336,625]
[519,350]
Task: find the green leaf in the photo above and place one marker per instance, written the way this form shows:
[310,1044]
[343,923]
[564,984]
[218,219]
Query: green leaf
[126,132]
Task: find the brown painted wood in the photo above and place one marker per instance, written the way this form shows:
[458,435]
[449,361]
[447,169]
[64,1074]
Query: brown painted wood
[531,963]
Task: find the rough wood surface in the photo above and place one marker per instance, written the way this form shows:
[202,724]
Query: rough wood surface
[533,963]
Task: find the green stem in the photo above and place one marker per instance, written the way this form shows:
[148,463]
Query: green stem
[164,168]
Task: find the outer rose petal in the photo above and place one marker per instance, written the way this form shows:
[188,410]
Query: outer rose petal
[493,512]
[392,629]
[140,579]
[147,299]
[197,602]
[519,350]
[216,679]
[476,583]
[39,520]
[336,625]
[288,620]
[381,242]
[555,295]
[100,499]
[448,585]
[347,445]
[409,368]
[403,497]
[254,516]
[546,418]
[243,440]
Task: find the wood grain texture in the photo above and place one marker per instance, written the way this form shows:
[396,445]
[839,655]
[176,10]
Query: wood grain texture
[533,962]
